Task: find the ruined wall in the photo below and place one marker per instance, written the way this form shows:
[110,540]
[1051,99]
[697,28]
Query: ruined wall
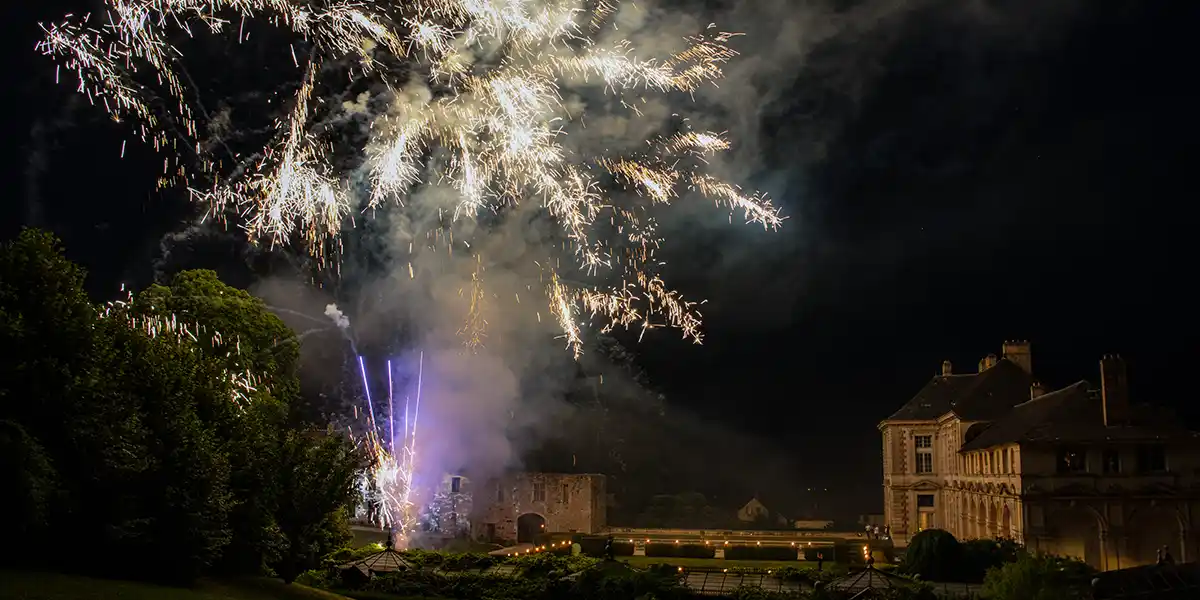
[562,503]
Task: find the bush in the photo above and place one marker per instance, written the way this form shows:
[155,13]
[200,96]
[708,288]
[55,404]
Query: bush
[348,554]
[468,561]
[981,555]
[594,546]
[934,555]
[681,550]
[316,578]
[760,553]
[1039,577]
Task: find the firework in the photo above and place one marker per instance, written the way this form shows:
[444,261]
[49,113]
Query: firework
[494,132]
[243,382]
[389,486]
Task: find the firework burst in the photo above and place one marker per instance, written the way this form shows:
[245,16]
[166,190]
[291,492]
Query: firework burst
[494,131]
[243,382]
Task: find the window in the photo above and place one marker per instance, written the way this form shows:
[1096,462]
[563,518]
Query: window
[924,447]
[1072,460]
[1110,459]
[499,492]
[566,494]
[924,500]
[539,492]
[1152,459]
[455,485]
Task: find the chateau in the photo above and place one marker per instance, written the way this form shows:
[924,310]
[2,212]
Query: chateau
[1076,471]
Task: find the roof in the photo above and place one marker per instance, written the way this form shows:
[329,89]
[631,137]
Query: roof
[973,397]
[1150,582]
[386,561]
[1071,414]
[869,578]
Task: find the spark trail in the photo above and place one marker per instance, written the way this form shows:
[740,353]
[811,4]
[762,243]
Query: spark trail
[482,83]
[389,487]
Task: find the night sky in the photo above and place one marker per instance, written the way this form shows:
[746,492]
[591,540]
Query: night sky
[951,182]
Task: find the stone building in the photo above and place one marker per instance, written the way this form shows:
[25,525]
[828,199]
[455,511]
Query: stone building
[1077,471]
[519,506]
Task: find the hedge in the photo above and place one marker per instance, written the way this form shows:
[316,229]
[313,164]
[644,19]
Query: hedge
[594,546]
[680,550]
[760,553]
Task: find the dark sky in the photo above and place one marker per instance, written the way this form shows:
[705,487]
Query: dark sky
[975,187]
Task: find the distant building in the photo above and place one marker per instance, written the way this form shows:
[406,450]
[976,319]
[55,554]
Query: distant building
[1076,472]
[520,506]
[754,511]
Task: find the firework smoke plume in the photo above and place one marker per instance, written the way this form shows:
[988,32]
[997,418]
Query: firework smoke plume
[487,173]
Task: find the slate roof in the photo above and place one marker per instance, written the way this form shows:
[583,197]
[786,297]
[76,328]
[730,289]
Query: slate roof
[973,397]
[1072,414]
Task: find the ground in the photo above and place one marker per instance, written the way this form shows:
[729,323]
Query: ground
[51,586]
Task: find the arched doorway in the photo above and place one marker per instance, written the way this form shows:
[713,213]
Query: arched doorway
[1150,529]
[529,526]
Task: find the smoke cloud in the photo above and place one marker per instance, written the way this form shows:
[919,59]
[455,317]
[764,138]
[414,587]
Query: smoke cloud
[469,298]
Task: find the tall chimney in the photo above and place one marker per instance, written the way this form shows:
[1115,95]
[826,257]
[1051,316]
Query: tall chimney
[1114,390]
[1018,353]
[987,362]
[1036,390]
[947,368]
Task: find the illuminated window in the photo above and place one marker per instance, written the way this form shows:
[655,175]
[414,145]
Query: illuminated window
[924,448]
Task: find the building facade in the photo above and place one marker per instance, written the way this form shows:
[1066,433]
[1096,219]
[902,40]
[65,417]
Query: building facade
[1077,472]
[520,506]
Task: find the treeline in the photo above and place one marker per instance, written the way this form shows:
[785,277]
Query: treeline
[133,446]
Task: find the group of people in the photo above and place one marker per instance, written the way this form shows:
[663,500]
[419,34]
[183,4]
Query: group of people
[875,533]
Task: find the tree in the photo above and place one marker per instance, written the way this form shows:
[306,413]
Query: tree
[1039,577]
[31,483]
[180,519]
[267,346]
[934,555]
[45,313]
[247,434]
[318,471]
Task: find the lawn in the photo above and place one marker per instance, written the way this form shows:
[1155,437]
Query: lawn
[52,586]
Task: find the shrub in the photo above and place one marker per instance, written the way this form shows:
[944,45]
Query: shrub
[316,578]
[594,546]
[681,550]
[348,554]
[760,553]
[1039,577]
[981,555]
[467,561]
[934,555]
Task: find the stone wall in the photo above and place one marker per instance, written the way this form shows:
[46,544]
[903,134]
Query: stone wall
[549,503]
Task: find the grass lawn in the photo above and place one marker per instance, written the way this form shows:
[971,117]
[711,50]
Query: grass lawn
[52,586]
[644,561]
